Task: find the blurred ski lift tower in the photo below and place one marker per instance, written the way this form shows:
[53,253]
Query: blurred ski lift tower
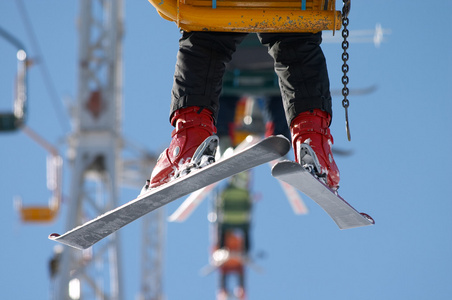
[94,154]
[94,147]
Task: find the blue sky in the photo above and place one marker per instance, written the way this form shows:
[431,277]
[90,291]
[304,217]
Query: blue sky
[398,171]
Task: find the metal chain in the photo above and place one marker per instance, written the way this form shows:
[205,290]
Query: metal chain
[345,67]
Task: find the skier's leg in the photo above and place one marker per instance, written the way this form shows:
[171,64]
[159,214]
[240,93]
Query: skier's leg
[223,292]
[302,71]
[194,104]
[303,78]
[276,118]
[225,121]
[240,290]
[200,67]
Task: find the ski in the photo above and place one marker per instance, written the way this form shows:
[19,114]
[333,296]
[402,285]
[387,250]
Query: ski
[342,213]
[191,202]
[86,235]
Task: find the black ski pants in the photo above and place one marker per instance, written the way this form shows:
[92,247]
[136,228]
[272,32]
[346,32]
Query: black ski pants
[299,64]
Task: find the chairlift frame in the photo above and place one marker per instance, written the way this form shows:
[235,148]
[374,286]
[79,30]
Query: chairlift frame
[13,120]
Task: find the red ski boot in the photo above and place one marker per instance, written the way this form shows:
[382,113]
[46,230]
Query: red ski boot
[312,144]
[193,145]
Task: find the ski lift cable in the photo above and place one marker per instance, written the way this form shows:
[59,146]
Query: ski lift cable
[11,39]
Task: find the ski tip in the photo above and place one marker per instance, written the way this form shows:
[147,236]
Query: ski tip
[280,136]
[369,218]
[53,236]
[286,142]
[283,166]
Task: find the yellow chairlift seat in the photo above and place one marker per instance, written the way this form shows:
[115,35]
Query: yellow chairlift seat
[44,213]
[251,15]
[38,214]
[260,17]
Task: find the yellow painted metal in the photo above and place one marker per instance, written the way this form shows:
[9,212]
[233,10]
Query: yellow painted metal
[38,214]
[250,15]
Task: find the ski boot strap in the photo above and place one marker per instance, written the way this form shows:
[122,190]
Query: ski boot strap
[193,116]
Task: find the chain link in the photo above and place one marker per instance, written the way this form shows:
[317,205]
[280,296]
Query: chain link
[345,67]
